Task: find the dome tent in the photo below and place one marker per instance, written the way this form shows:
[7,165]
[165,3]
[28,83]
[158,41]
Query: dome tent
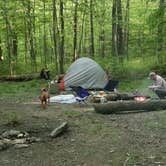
[86,73]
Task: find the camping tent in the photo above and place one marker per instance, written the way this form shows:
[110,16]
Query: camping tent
[86,73]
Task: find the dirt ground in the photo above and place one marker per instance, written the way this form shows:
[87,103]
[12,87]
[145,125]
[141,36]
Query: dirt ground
[92,139]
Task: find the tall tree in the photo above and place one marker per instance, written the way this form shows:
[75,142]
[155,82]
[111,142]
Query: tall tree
[8,30]
[25,34]
[75,31]
[126,28]
[30,29]
[80,46]
[55,34]
[160,27]
[101,19]
[92,49]
[119,28]
[44,34]
[61,58]
[114,29]
[1,51]
[14,44]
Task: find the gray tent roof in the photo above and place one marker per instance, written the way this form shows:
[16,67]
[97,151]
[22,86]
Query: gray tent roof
[87,73]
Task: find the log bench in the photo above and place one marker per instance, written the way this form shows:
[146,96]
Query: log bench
[131,105]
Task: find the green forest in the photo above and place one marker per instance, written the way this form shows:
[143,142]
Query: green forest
[125,37]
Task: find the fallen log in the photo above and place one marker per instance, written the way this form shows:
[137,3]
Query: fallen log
[120,106]
[59,130]
[26,77]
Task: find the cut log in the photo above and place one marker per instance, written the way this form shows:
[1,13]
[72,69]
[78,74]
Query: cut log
[119,106]
[26,77]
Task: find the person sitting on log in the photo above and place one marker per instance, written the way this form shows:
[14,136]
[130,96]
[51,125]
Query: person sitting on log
[159,86]
[45,73]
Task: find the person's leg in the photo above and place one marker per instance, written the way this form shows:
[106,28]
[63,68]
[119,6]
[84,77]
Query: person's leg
[161,93]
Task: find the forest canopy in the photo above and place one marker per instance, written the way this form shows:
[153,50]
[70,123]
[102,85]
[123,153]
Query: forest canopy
[129,34]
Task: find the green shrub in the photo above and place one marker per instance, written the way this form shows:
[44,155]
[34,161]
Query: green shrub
[160,69]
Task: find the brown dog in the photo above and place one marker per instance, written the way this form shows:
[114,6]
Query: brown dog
[44,98]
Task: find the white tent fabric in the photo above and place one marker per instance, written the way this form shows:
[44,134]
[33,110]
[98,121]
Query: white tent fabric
[86,73]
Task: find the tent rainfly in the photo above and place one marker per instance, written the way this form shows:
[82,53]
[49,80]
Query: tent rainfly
[86,73]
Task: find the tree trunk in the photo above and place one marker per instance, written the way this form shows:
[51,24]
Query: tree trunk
[61,58]
[102,41]
[44,35]
[52,43]
[119,29]
[92,49]
[102,30]
[75,32]
[114,29]
[85,36]
[126,28]
[14,44]
[8,32]
[1,51]
[120,106]
[160,29]
[54,29]
[82,32]
[30,29]
[25,40]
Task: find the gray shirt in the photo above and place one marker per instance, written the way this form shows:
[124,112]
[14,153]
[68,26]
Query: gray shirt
[160,83]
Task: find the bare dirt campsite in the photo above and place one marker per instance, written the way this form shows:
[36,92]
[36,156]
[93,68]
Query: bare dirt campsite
[123,139]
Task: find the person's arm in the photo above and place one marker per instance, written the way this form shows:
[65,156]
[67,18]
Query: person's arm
[152,87]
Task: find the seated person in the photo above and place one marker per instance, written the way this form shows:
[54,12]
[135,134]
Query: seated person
[111,84]
[45,73]
[159,86]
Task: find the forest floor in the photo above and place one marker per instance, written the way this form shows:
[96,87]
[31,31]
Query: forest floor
[92,139]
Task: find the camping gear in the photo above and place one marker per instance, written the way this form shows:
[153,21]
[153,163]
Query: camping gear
[81,93]
[86,73]
[111,85]
[70,98]
[62,85]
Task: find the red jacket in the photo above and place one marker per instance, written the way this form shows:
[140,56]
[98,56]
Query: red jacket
[62,85]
